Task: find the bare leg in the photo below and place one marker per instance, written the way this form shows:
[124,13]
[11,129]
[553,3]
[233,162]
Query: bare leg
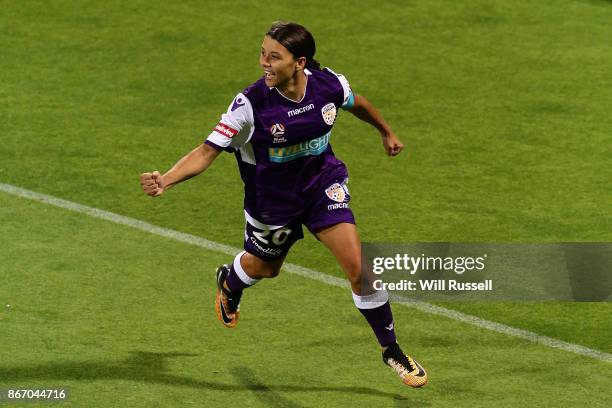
[343,242]
[258,268]
[255,269]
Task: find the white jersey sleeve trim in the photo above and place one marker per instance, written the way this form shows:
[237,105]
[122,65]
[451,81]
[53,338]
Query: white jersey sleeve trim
[236,125]
[247,154]
[348,99]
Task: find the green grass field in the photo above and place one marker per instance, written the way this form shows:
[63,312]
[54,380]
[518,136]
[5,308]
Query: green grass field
[504,109]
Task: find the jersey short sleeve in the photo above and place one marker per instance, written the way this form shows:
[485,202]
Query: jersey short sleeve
[235,127]
[348,100]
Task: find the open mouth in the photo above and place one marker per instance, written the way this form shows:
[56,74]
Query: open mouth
[269,75]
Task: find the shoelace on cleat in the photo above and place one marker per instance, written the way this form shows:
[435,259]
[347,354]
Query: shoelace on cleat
[400,368]
[401,360]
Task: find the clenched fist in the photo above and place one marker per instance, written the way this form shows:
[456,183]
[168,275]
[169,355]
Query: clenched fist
[152,183]
[392,144]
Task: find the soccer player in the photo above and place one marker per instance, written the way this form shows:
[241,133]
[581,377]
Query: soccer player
[279,129]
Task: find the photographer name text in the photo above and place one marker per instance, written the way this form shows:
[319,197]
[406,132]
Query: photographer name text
[433,285]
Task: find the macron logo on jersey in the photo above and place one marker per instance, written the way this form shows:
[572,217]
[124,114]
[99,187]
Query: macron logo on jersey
[225,130]
[300,110]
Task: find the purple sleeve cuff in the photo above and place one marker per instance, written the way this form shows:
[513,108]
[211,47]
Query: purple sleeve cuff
[219,148]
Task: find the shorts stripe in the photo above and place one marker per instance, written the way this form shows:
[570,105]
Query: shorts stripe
[258,224]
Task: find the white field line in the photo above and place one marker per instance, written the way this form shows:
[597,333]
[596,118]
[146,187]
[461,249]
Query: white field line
[306,273]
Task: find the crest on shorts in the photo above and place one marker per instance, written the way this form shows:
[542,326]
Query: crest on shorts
[337,192]
[329,113]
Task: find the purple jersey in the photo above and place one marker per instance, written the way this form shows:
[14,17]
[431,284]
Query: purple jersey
[282,146]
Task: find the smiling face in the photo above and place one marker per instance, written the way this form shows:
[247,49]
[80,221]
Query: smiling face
[279,65]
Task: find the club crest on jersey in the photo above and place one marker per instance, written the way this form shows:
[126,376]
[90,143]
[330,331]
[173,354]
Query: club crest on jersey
[337,192]
[278,131]
[329,113]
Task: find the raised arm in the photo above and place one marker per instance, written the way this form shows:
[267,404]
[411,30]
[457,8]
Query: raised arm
[192,164]
[365,111]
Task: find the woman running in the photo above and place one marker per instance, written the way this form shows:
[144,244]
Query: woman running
[279,130]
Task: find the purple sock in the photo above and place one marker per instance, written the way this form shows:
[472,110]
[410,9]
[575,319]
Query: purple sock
[237,279]
[377,311]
